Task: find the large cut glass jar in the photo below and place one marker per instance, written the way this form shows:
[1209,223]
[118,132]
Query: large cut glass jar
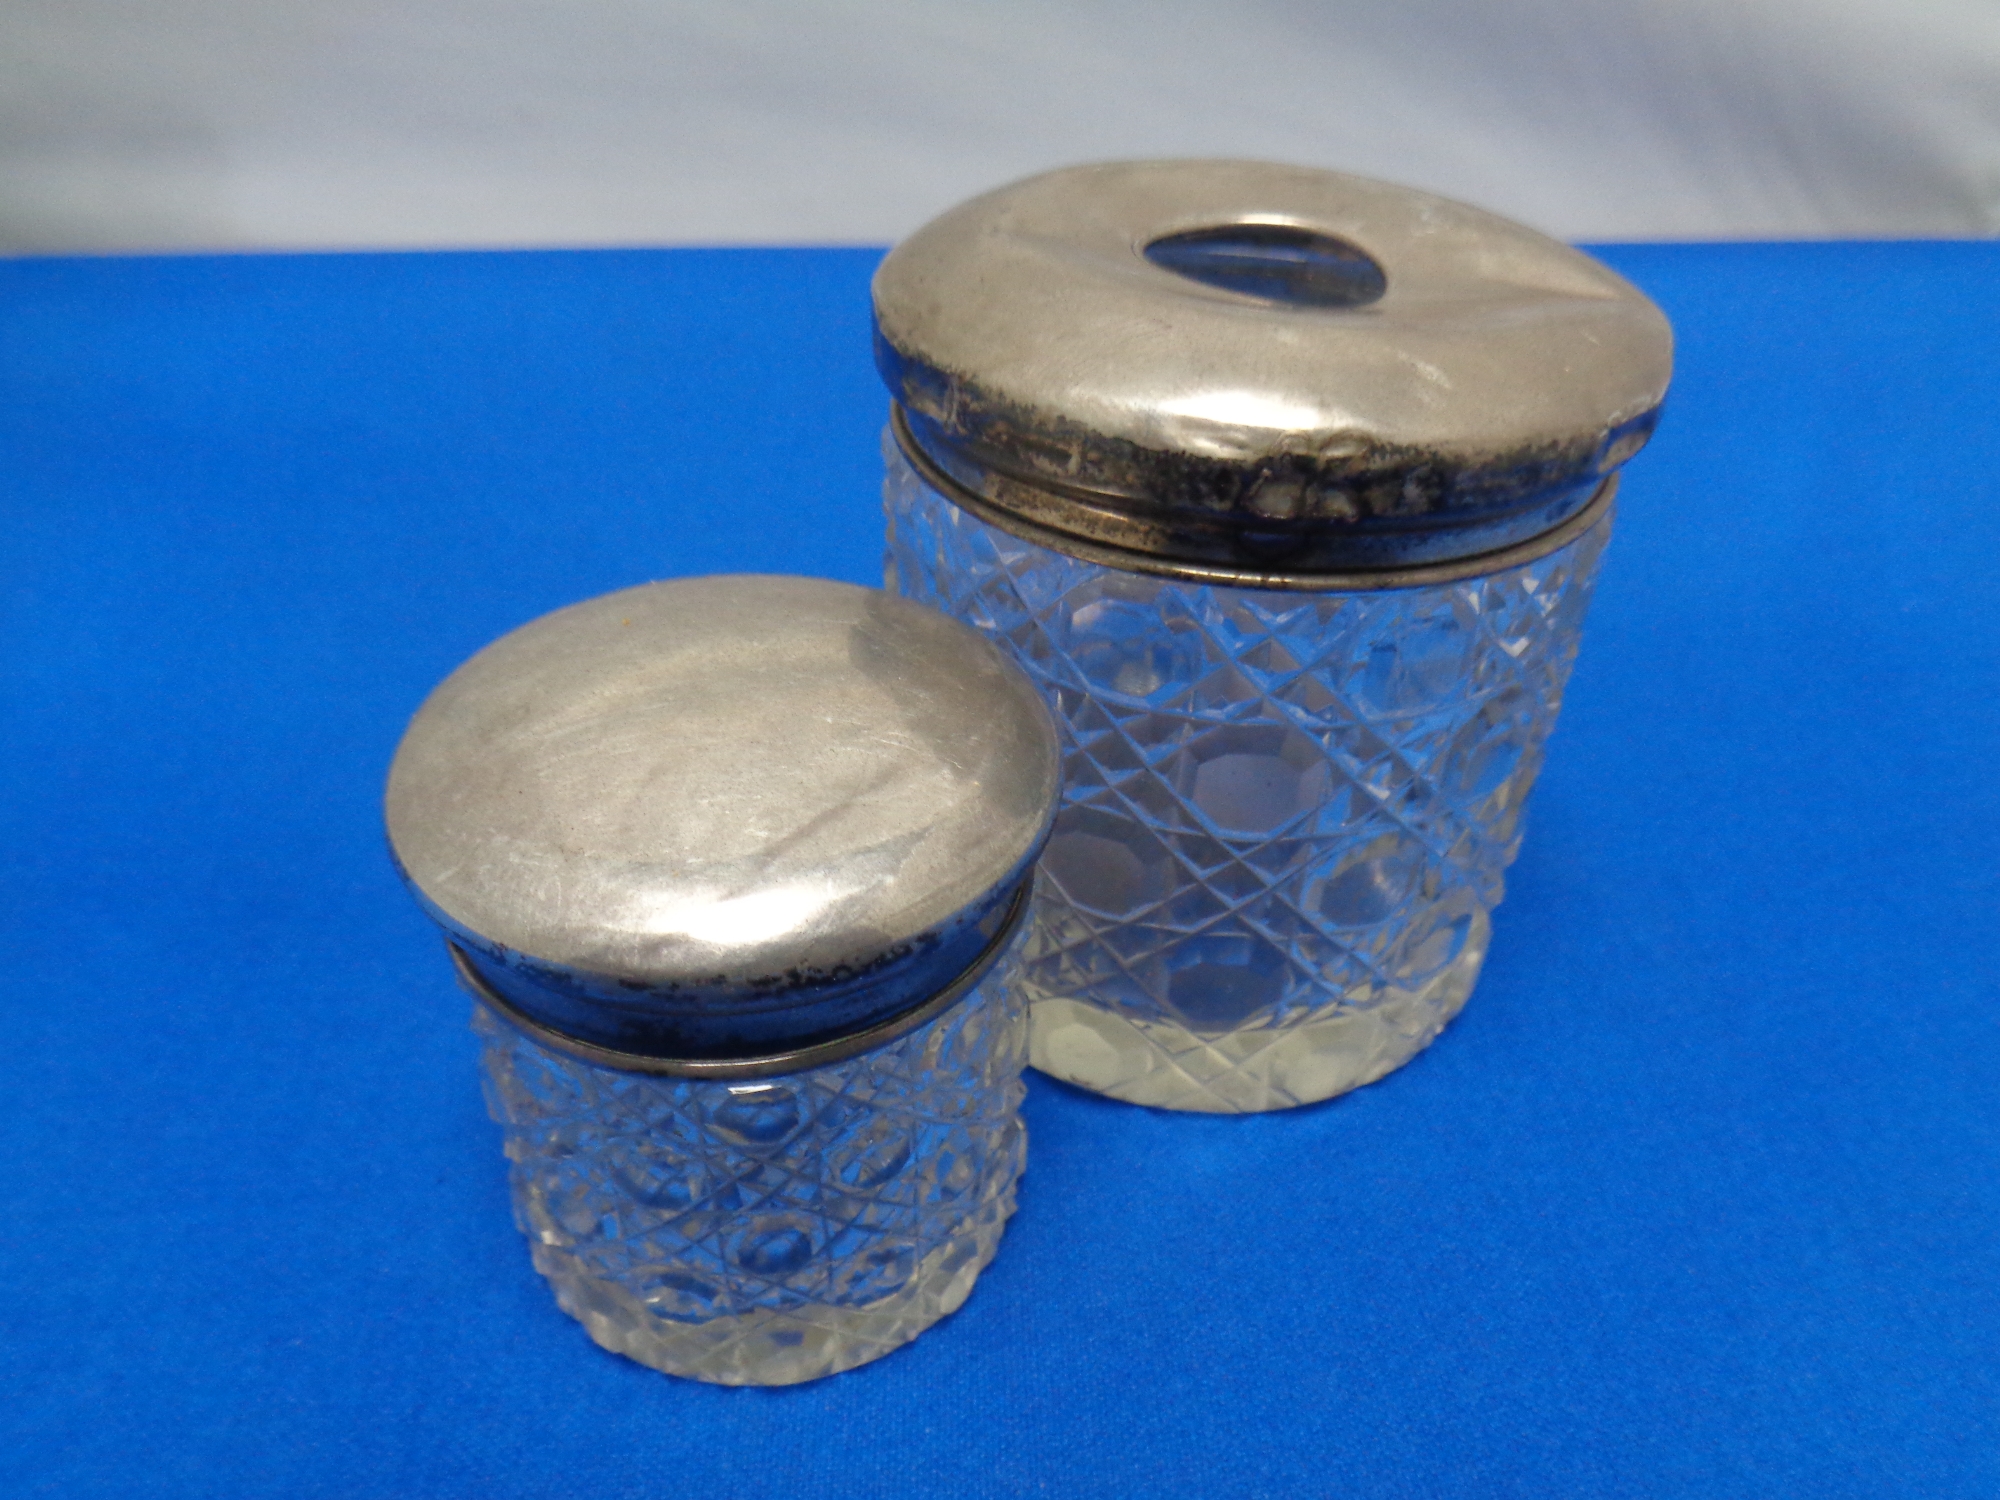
[734,870]
[1288,489]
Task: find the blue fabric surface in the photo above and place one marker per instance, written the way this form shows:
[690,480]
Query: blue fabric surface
[1701,1196]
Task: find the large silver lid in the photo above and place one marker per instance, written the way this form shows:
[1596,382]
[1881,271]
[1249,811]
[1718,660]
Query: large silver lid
[1263,366]
[722,817]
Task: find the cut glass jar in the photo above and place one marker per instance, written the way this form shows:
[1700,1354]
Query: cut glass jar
[734,869]
[1288,489]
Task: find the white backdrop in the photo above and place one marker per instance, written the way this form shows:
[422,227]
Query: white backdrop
[185,123]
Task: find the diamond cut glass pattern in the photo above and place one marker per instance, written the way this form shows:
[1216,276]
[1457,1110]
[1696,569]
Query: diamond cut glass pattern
[774,1230]
[1286,815]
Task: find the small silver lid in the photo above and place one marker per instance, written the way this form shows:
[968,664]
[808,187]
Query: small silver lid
[1263,366]
[723,817]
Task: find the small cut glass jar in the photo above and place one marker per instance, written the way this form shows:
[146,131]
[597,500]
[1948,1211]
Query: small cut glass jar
[1288,489]
[734,868]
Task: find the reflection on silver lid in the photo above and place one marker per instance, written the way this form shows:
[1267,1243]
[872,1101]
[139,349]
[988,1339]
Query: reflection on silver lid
[1259,365]
[723,814]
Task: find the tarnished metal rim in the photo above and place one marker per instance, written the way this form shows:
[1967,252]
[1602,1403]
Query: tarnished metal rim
[1355,581]
[776,1064]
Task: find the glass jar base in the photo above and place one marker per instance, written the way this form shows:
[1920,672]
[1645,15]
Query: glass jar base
[780,1346]
[773,1230]
[1147,1061]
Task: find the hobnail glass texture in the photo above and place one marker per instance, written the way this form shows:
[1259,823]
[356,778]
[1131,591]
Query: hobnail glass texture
[776,1230]
[1286,816]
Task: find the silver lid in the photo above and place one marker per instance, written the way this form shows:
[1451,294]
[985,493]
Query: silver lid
[1263,366]
[723,817]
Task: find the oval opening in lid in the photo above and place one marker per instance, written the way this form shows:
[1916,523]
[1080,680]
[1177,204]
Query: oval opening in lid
[1275,262]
